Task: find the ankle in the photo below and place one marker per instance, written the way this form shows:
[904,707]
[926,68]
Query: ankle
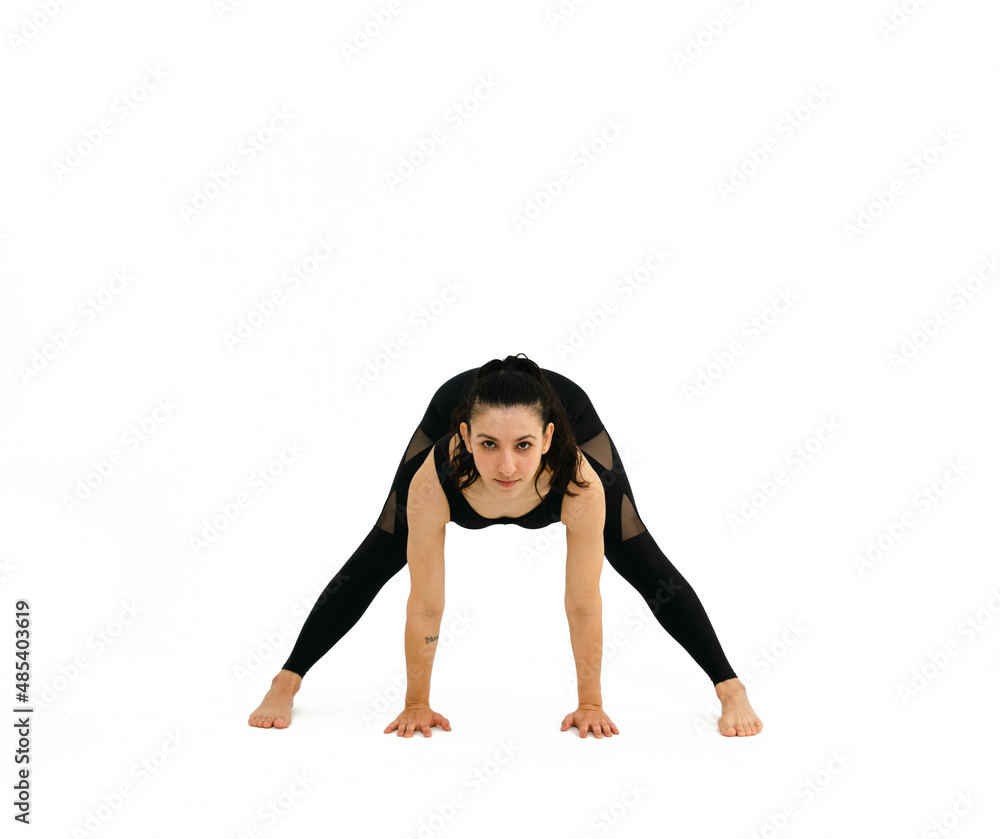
[286,679]
[730,686]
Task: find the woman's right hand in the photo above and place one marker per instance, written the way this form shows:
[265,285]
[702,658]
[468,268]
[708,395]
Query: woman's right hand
[417,717]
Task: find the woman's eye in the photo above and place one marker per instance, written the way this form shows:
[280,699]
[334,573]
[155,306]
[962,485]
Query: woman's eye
[489,444]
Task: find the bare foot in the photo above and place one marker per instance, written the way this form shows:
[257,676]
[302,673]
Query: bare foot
[738,718]
[276,708]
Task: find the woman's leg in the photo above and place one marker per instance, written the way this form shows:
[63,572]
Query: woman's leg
[633,553]
[383,552]
[346,597]
[376,560]
[629,546]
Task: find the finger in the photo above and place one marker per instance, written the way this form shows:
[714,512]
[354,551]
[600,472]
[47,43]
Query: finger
[606,727]
[426,730]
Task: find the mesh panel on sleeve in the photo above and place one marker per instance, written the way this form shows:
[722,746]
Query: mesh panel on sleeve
[387,519]
[418,443]
[599,448]
[631,526]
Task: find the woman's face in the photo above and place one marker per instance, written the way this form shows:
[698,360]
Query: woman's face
[507,445]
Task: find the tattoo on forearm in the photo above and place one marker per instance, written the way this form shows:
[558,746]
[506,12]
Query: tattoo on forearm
[428,640]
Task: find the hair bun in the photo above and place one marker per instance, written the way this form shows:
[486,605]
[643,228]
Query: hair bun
[520,363]
[523,364]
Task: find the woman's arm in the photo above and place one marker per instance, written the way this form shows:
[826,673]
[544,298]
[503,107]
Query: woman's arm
[584,518]
[427,512]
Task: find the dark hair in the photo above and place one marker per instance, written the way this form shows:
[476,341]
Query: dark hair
[517,381]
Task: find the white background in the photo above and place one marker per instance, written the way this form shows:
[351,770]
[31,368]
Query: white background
[184,669]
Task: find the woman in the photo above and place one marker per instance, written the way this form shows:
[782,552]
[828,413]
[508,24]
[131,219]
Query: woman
[498,445]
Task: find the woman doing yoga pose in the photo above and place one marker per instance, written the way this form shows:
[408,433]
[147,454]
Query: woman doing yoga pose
[509,443]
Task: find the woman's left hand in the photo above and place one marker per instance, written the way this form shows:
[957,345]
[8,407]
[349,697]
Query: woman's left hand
[590,717]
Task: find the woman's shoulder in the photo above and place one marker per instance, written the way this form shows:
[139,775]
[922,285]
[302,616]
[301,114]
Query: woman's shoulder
[587,500]
[426,502]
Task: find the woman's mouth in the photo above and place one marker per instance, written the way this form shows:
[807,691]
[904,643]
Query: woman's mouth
[506,484]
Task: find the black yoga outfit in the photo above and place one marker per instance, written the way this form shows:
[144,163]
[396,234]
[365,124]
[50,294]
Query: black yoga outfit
[628,545]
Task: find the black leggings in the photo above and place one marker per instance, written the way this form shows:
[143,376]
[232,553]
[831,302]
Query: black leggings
[628,545]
